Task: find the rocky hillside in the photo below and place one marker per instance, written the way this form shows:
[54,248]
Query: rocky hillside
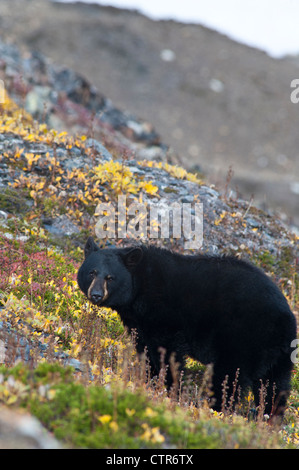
[50,184]
[215,102]
[55,94]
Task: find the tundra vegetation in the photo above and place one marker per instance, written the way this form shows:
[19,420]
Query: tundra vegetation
[72,365]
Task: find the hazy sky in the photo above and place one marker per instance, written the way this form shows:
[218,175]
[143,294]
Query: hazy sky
[271,25]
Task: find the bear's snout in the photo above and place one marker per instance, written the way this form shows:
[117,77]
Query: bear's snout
[96,298]
[97,292]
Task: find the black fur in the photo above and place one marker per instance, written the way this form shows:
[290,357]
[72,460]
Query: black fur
[218,310]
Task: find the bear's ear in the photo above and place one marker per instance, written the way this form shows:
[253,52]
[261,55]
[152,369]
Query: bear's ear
[133,257]
[90,247]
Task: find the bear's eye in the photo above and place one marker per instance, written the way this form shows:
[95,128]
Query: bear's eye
[109,277]
[92,274]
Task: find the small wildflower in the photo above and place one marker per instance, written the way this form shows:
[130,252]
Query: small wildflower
[149,413]
[104,419]
[114,426]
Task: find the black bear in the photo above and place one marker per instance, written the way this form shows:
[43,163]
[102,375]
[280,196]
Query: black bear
[218,310]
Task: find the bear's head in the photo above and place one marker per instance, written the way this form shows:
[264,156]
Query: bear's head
[106,275]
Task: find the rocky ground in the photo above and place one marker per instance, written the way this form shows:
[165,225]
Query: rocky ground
[19,430]
[215,102]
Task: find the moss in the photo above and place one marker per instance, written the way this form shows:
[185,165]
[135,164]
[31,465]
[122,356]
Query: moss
[287,262]
[50,207]
[15,202]
[168,189]
[265,260]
